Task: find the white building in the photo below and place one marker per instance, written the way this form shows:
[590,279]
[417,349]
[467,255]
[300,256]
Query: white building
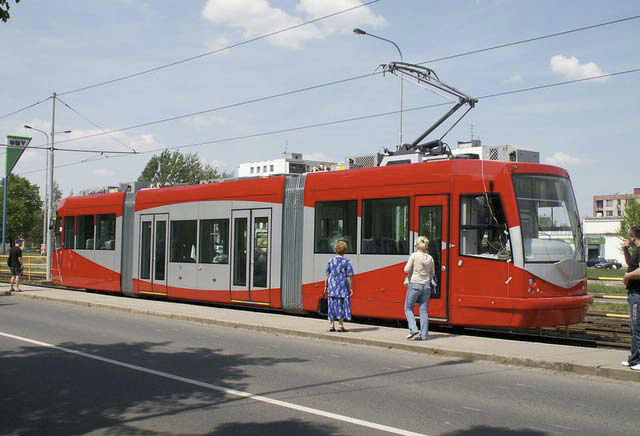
[289,163]
[601,238]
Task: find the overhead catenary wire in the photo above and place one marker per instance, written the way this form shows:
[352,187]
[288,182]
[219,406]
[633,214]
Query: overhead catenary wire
[353,78]
[219,108]
[24,108]
[359,118]
[74,150]
[247,41]
[336,82]
[94,124]
[181,61]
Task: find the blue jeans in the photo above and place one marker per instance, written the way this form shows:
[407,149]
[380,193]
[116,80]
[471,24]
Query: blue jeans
[634,323]
[418,293]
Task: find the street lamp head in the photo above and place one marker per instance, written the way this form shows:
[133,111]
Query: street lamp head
[27,127]
[359,31]
[67,131]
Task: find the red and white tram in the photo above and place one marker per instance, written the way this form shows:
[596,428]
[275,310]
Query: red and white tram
[505,236]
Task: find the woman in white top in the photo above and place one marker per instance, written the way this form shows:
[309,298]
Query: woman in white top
[421,270]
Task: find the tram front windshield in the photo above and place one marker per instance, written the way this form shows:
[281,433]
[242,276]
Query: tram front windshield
[549,219]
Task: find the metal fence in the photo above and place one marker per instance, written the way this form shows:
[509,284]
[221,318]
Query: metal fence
[33,267]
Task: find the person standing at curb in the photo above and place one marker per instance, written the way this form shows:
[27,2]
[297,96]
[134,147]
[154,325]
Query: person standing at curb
[421,276]
[632,281]
[15,265]
[338,287]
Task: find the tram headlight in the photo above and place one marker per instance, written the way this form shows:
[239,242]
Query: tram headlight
[531,282]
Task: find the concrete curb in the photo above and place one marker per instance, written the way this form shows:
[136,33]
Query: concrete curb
[563,367]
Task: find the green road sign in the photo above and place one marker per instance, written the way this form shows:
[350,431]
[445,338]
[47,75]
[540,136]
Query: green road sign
[15,147]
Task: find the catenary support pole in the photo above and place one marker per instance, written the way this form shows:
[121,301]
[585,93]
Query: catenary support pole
[5,197]
[50,210]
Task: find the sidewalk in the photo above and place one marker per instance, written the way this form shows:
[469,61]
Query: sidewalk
[561,358]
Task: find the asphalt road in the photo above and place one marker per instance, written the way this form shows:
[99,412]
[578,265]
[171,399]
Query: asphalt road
[71,370]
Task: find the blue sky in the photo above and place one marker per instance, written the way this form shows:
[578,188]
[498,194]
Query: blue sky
[589,128]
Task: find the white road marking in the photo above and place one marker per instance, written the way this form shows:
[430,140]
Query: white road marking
[525,386]
[249,395]
[565,428]
[472,409]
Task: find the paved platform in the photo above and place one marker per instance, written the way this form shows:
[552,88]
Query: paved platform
[559,358]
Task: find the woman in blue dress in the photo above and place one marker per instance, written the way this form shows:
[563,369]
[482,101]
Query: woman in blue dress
[338,287]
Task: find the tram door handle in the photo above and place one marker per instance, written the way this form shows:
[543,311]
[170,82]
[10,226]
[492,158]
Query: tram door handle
[444,267]
[459,263]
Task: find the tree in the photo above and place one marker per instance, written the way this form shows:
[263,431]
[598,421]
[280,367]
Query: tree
[57,194]
[4,14]
[173,168]
[36,235]
[631,217]
[24,208]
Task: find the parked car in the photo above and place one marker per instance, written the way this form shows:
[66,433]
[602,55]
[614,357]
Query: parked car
[608,264]
[594,261]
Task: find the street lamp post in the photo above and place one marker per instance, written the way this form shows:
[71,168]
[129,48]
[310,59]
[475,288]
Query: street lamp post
[49,192]
[46,189]
[362,32]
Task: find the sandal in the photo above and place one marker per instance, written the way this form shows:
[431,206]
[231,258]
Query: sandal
[332,329]
[342,329]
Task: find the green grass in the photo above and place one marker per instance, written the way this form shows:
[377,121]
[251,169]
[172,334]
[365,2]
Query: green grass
[598,272]
[609,307]
[601,288]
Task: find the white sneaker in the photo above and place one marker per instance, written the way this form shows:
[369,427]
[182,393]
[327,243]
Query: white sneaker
[411,335]
[636,367]
[624,363]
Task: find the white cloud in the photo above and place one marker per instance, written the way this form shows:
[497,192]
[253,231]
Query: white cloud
[257,17]
[513,79]
[562,159]
[218,43]
[103,172]
[572,69]
[116,141]
[143,142]
[204,120]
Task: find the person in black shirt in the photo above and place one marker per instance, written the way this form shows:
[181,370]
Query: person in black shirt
[632,281]
[15,265]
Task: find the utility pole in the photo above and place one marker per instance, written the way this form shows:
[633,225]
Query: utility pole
[51,210]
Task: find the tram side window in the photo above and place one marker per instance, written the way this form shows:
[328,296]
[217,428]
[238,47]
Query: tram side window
[85,237]
[183,241]
[385,226]
[106,232]
[57,234]
[483,227]
[69,232]
[335,221]
[214,241]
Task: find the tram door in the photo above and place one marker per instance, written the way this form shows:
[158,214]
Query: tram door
[432,216]
[251,256]
[153,254]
